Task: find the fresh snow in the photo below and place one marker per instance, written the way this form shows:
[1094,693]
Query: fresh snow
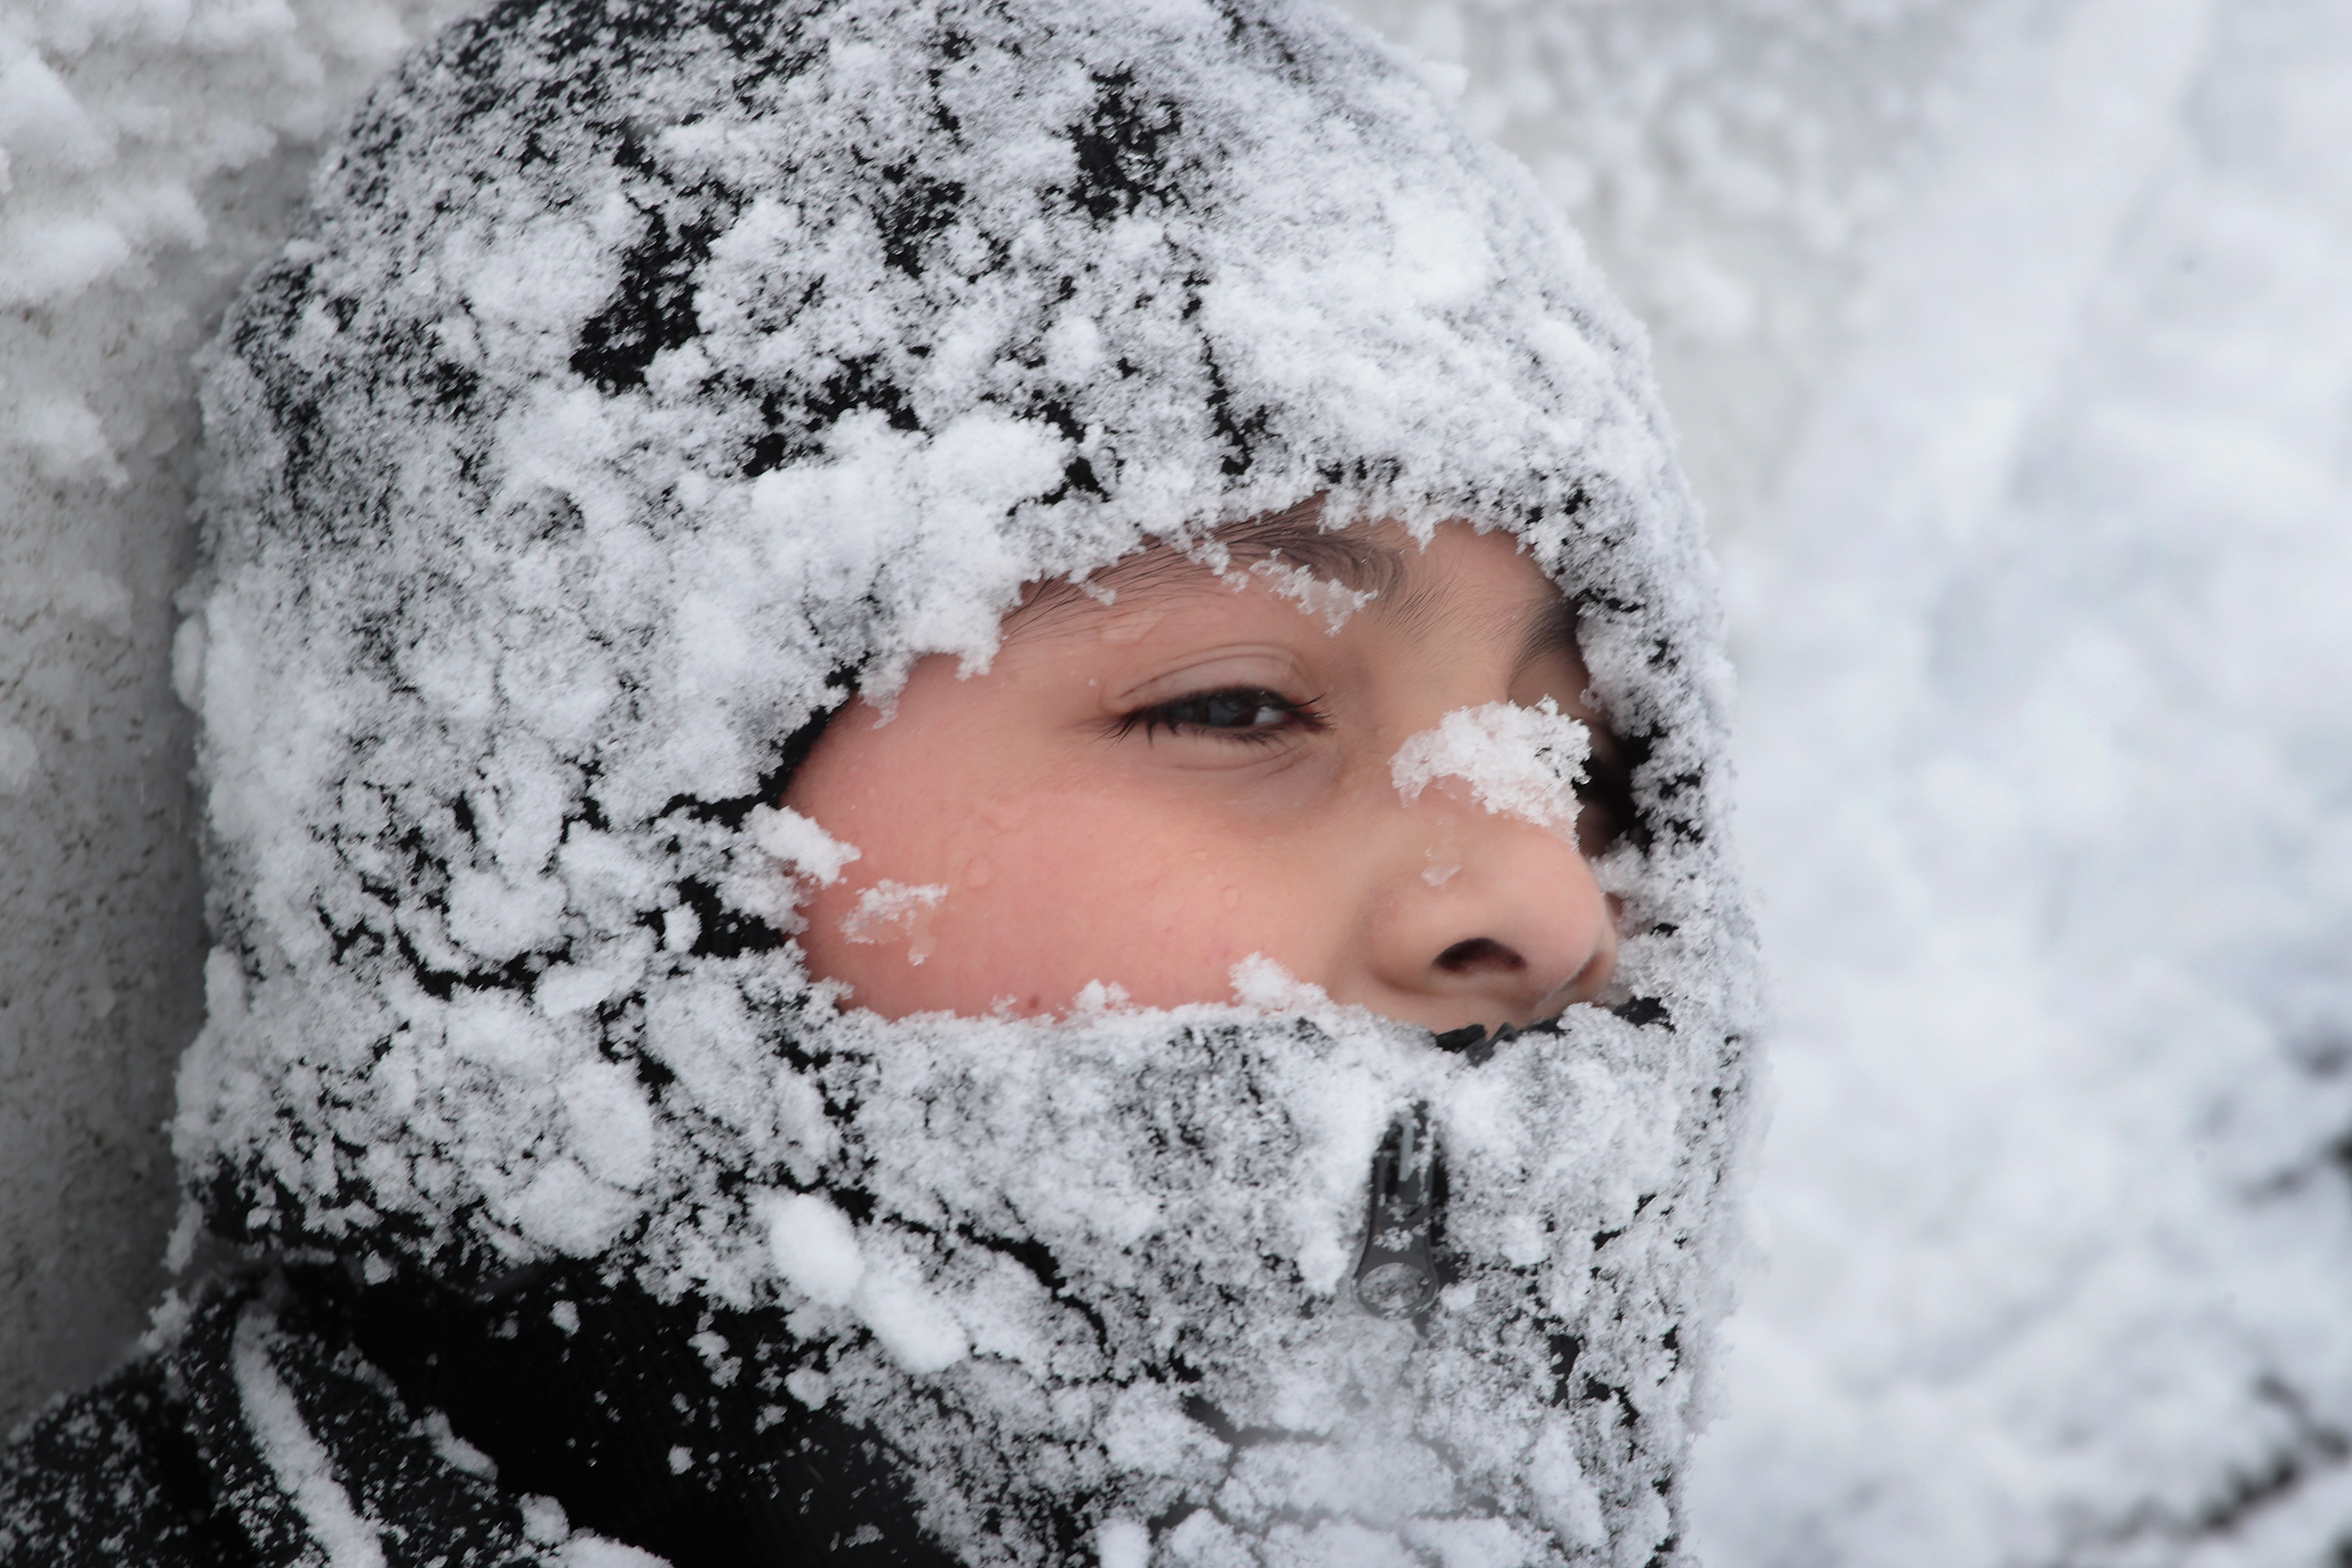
[1519,761]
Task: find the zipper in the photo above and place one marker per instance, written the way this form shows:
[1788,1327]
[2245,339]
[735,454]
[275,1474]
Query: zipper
[1396,1278]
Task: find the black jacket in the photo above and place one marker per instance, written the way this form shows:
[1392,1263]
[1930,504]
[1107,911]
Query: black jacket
[295,1417]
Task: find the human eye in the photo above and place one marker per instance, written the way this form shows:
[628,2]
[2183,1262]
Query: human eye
[1247,714]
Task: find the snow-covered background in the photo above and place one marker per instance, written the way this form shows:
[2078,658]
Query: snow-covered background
[2011,344]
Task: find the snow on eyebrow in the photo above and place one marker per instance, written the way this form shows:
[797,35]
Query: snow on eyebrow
[1519,761]
[1316,595]
[1326,571]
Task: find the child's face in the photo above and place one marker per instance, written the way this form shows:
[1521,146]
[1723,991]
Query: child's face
[1148,792]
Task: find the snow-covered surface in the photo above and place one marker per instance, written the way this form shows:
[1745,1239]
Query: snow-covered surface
[151,153]
[2048,637]
[2009,344]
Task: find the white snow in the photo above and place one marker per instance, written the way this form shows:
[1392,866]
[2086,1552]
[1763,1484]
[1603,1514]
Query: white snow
[2009,342]
[892,911]
[304,1471]
[910,1323]
[149,155]
[20,760]
[1519,761]
[814,1248]
[801,844]
[1123,1543]
[584,1550]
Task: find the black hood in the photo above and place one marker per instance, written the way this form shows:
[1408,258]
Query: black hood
[648,377]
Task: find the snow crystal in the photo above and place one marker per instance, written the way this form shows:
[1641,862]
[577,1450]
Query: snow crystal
[455,1450]
[586,1551]
[544,1519]
[892,911]
[1519,761]
[1123,1543]
[1334,601]
[918,1330]
[1259,982]
[20,760]
[801,844]
[814,1248]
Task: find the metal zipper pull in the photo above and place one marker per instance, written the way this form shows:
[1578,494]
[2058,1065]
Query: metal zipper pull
[1397,1275]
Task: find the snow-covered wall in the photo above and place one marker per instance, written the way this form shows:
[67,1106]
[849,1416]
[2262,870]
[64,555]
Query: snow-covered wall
[2011,344]
[148,154]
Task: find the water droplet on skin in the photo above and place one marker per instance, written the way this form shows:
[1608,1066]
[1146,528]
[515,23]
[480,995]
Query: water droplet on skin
[1232,898]
[978,874]
[1004,815]
[1439,872]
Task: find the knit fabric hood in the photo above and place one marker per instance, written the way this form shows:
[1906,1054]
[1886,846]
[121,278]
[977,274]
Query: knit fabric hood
[647,378]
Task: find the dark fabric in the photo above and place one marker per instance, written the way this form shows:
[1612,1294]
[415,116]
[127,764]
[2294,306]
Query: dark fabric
[113,1476]
[180,1461]
[584,1390]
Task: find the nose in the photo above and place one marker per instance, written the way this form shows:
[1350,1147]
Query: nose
[1485,919]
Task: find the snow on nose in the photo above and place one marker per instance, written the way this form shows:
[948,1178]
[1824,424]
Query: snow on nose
[1519,761]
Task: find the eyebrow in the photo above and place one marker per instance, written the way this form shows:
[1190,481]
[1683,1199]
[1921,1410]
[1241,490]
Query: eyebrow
[1354,562]
[1295,535]
[1552,630]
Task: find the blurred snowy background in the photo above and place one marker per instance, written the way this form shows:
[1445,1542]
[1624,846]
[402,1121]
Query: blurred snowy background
[2011,346]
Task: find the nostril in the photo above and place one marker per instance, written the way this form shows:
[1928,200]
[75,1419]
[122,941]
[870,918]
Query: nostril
[1480,955]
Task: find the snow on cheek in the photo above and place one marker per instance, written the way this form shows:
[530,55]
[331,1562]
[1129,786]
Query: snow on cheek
[1519,761]
[801,844]
[1263,982]
[894,911]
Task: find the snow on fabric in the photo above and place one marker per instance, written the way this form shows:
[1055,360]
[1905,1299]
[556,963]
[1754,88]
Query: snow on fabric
[646,380]
[1197,1179]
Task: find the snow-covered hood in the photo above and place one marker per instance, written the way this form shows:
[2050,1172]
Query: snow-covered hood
[647,377]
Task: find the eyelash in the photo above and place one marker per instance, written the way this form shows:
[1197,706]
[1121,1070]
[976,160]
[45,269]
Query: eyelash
[1173,716]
